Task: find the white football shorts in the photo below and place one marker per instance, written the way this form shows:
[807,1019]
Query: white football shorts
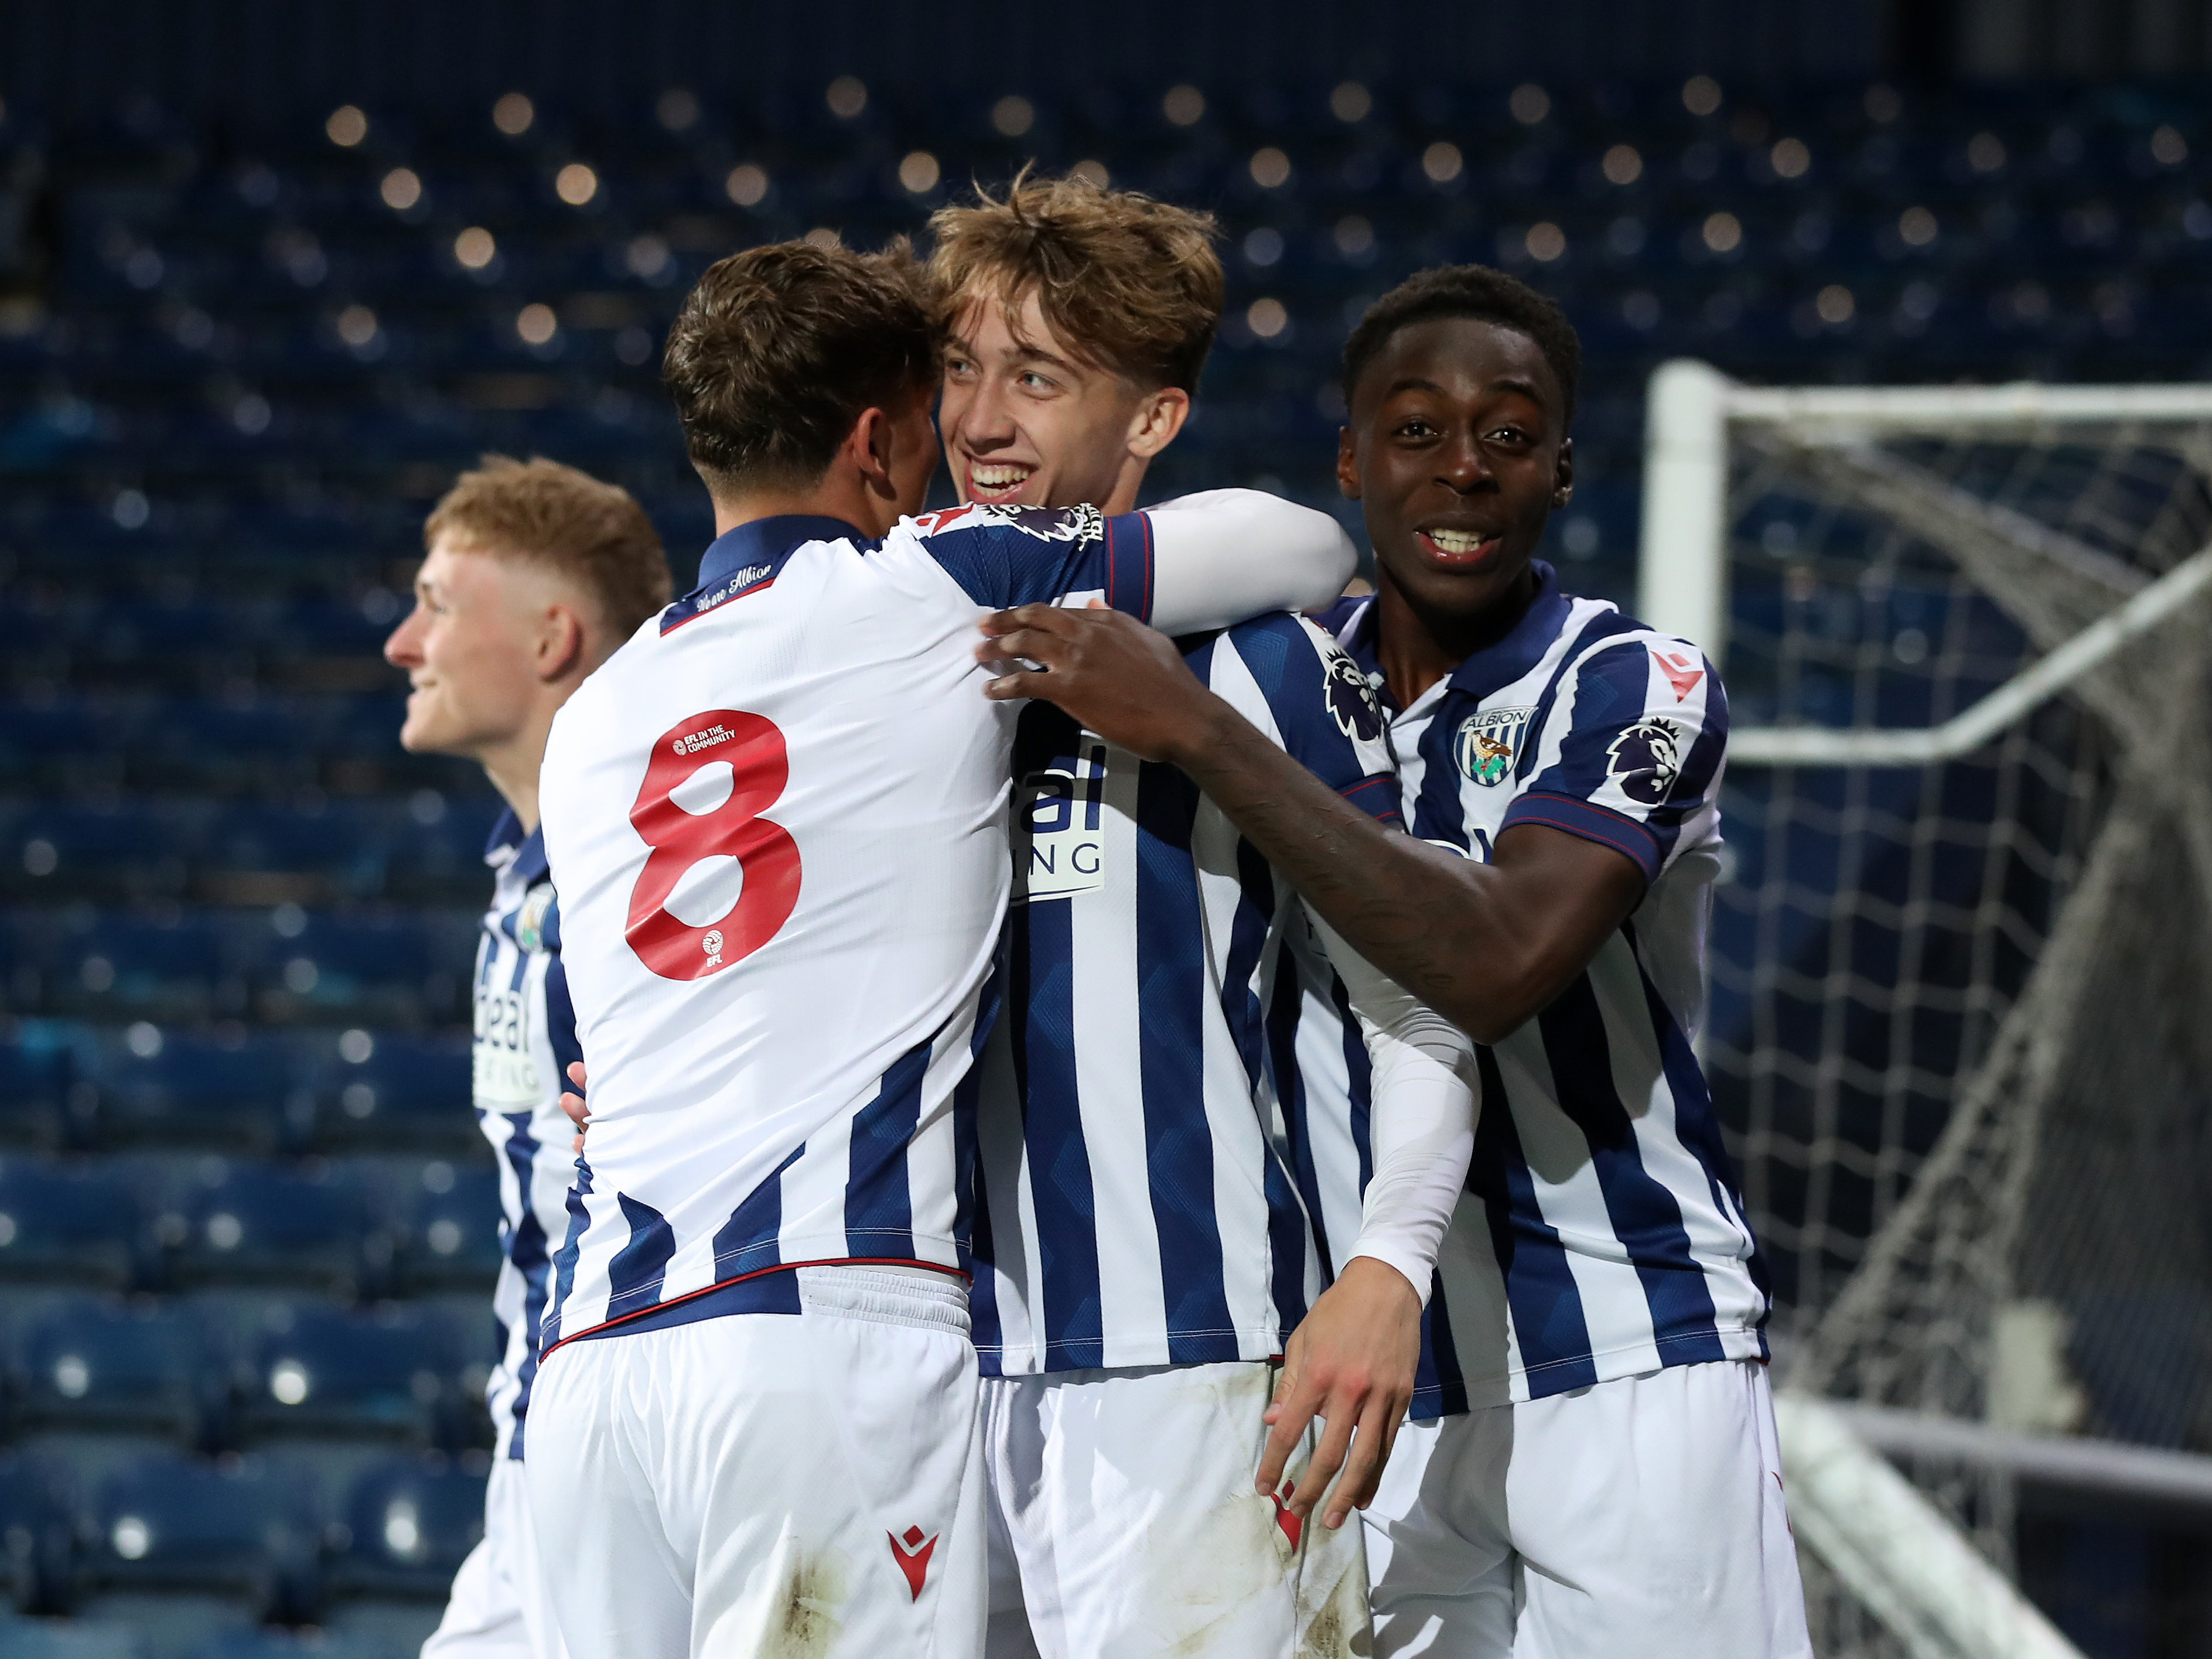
[497,1608]
[765,1483]
[1124,1524]
[1641,1516]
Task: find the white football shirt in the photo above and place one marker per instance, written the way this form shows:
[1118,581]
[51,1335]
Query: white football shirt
[777,821]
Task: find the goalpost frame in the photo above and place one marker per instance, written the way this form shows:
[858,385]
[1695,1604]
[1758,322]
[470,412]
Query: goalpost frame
[1681,585]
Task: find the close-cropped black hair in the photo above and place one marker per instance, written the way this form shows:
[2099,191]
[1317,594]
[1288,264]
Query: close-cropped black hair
[1475,291]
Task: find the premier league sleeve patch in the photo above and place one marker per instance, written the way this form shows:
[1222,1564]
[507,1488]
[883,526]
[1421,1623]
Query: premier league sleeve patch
[1488,740]
[1645,759]
[1351,702]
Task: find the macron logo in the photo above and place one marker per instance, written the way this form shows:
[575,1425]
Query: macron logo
[1683,673]
[913,1553]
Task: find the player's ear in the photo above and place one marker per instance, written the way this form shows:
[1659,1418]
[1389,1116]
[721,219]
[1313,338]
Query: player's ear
[1563,474]
[562,641]
[1159,418]
[869,446]
[1347,464]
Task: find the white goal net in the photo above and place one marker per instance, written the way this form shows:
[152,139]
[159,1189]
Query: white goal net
[1960,1026]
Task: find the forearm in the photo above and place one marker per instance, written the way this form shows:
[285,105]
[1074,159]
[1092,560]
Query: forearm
[1228,554]
[1430,919]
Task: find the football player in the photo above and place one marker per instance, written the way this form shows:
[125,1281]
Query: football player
[1144,1239]
[777,820]
[535,572]
[1597,1472]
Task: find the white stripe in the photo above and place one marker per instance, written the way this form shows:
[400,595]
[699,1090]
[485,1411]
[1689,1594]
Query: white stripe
[933,1158]
[1003,1171]
[1109,1083]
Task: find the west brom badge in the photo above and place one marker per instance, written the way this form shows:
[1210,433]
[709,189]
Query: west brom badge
[1488,741]
[530,921]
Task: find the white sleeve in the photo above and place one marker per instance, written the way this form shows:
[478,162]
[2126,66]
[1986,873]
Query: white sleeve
[1228,554]
[1421,1117]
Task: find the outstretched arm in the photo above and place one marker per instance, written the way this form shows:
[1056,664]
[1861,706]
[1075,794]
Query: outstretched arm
[1225,555]
[1487,945]
[1352,1360]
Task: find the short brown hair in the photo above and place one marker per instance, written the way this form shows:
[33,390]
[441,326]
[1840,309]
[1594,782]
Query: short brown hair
[1132,283]
[544,513]
[778,349]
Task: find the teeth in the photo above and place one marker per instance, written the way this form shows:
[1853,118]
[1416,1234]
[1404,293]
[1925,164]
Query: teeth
[1456,541]
[999,477]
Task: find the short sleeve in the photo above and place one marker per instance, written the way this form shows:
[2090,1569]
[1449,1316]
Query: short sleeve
[1323,709]
[1631,751]
[1006,555]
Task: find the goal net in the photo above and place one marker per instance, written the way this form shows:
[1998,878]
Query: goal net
[1960,1022]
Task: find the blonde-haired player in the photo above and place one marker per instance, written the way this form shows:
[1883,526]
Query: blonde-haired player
[535,572]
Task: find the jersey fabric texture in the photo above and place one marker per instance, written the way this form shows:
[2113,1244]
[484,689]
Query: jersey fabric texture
[1141,1199]
[776,819]
[499,1607]
[1602,1233]
[525,1037]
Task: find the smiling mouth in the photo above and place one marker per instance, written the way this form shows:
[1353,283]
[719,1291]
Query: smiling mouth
[997,481]
[1459,547]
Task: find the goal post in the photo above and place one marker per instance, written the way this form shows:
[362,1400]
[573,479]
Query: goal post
[1962,939]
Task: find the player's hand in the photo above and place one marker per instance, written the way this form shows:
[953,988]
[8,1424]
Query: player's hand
[578,1114]
[1351,1362]
[1123,680]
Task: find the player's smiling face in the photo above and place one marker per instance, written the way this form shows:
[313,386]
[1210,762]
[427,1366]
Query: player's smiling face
[1028,420]
[1456,451]
[468,649]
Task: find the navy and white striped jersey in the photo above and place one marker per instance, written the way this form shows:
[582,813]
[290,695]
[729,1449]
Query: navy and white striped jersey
[1145,1177]
[525,1037]
[1601,1234]
[777,820]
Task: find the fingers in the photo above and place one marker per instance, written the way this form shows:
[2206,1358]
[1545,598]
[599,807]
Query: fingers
[1371,1451]
[1048,619]
[1009,688]
[1287,1419]
[1033,643]
[1329,1457]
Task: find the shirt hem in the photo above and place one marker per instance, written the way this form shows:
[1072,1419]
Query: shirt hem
[628,1323]
[1526,1384]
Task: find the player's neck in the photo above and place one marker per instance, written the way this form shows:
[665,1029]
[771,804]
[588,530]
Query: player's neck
[1417,645]
[836,494]
[512,766]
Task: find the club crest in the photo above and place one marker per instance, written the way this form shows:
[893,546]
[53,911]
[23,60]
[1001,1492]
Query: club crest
[1081,525]
[1646,759]
[1489,741]
[1351,702]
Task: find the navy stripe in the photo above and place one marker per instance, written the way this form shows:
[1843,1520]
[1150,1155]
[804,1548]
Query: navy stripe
[1285,1010]
[1128,584]
[751,1239]
[1539,1288]
[878,1196]
[1288,1238]
[967,1163]
[564,1259]
[561,1022]
[1439,814]
[1360,1071]
[1645,1216]
[1248,931]
[1600,626]
[1041,979]
[1587,821]
[526,1247]
[1439,1383]
[771,1291]
[1171,1064]
[634,1276]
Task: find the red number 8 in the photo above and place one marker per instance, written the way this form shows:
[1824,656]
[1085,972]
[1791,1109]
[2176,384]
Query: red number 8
[753,749]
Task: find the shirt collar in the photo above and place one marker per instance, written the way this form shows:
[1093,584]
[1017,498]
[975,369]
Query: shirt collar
[1495,666]
[770,541]
[523,855]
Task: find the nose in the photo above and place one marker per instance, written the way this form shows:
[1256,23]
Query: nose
[1462,464]
[985,419]
[403,648]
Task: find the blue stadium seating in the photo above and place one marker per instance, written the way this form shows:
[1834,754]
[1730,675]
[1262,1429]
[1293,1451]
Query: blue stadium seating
[68,1221]
[453,1229]
[239,1524]
[322,1371]
[248,1222]
[104,1366]
[38,1518]
[408,1522]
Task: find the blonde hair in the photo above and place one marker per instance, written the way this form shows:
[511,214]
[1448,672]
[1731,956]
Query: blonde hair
[542,513]
[1132,283]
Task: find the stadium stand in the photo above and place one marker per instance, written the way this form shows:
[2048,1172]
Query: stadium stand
[245,1225]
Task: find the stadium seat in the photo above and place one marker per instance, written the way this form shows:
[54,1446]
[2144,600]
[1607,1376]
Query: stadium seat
[149,1083]
[70,1221]
[394,1090]
[242,1525]
[244,1222]
[408,1522]
[104,1366]
[453,1223]
[321,1371]
[37,1519]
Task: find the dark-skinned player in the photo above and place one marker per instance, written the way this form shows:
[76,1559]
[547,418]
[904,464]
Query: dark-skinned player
[1593,1470]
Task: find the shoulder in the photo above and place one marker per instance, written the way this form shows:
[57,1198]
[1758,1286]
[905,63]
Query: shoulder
[1621,668]
[979,523]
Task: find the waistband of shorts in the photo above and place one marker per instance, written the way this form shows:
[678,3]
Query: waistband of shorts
[889,1297]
